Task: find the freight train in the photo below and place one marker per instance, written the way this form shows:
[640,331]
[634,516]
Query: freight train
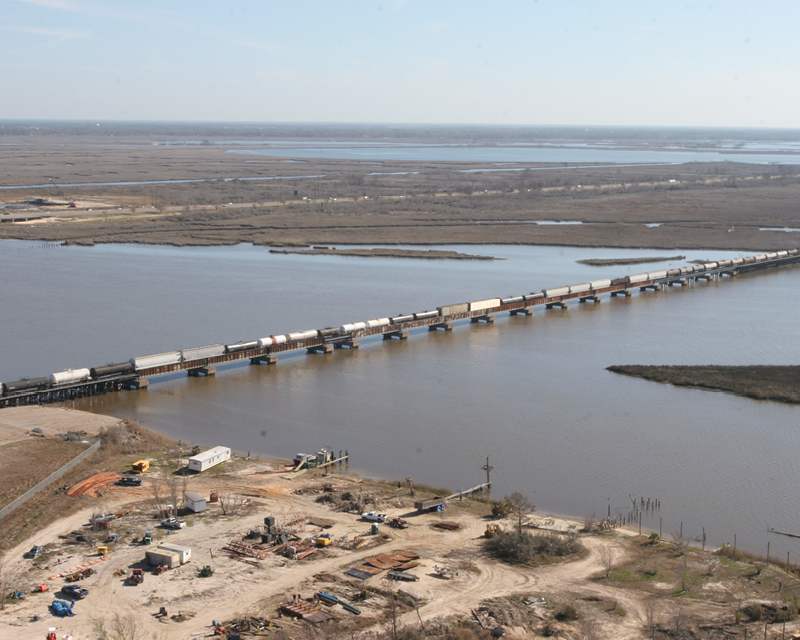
[200,355]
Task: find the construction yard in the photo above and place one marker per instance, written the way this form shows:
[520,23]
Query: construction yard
[282,554]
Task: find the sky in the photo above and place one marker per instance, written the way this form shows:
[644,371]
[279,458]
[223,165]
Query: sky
[546,62]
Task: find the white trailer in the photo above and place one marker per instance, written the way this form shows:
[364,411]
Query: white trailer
[195,502]
[210,458]
[184,553]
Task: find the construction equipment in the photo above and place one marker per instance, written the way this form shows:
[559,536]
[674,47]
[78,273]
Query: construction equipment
[102,550]
[160,569]
[80,575]
[206,572]
[136,578]
[41,588]
[398,523]
[323,540]
[148,537]
[444,572]
[492,529]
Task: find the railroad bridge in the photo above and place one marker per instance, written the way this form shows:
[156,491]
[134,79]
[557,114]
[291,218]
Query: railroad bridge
[135,374]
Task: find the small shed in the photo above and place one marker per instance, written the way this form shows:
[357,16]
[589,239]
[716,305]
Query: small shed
[185,553]
[195,502]
[210,458]
[160,557]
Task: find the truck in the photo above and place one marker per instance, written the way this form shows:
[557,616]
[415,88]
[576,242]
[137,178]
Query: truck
[374,516]
[173,523]
[140,466]
[430,505]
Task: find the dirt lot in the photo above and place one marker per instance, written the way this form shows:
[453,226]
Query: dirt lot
[701,205]
[670,585]
[16,423]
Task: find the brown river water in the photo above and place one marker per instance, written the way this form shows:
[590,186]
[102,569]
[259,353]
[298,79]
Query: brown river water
[532,393]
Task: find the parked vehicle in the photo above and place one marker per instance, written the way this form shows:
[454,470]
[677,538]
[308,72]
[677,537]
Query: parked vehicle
[374,516]
[173,523]
[75,591]
[116,537]
[35,551]
[130,481]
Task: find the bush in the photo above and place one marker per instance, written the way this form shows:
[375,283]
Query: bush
[567,613]
[501,510]
[527,548]
[754,611]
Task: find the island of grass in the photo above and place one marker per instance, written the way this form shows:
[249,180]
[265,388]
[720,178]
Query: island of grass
[420,254]
[762,382]
[600,262]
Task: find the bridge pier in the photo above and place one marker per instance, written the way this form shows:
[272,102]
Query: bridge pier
[264,360]
[557,305]
[650,287]
[202,371]
[487,319]
[321,348]
[400,335]
[136,384]
[595,299]
[525,311]
[730,274]
[350,344]
[622,292]
[704,278]
[445,326]
[679,282]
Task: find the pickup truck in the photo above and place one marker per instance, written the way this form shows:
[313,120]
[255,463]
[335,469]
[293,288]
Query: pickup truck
[173,523]
[374,516]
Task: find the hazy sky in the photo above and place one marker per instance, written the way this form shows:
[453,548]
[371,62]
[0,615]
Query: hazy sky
[418,61]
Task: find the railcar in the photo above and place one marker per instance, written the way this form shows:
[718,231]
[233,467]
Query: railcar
[241,346]
[111,370]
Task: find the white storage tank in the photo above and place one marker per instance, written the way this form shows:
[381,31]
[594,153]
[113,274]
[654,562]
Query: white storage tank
[210,458]
[302,335]
[69,376]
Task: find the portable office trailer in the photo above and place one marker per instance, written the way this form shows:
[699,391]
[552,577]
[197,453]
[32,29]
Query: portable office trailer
[195,502]
[208,459]
[161,557]
[184,553]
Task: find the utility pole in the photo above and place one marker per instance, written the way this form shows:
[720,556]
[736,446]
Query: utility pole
[488,470]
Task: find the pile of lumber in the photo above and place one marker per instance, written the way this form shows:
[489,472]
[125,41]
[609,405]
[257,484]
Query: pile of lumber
[98,481]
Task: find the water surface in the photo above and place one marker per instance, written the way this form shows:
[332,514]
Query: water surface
[531,393]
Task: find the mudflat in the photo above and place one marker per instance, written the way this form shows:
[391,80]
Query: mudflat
[202,195]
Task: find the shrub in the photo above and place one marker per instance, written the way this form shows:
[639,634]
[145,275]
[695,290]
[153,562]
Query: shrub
[525,548]
[567,613]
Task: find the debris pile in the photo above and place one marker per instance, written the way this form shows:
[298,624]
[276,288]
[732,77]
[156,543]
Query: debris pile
[399,561]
